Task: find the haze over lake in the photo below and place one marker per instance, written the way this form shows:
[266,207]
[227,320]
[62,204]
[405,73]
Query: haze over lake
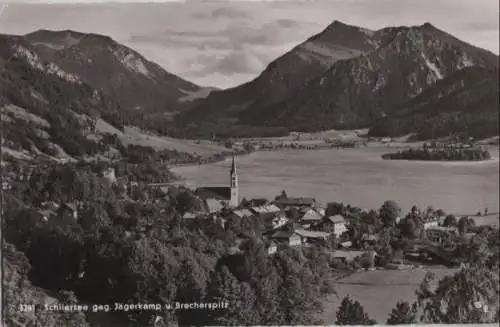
[359,177]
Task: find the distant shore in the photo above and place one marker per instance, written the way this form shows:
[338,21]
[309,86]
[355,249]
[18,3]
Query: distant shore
[440,154]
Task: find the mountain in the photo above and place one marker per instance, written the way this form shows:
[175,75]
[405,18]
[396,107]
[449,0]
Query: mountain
[304,62]
[57,106]
[119,72]
[465,102]
[389,68]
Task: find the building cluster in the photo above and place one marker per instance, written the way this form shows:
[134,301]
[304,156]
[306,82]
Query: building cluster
[284,221]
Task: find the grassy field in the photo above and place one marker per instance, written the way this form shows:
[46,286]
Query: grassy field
[138,137]
[379,291]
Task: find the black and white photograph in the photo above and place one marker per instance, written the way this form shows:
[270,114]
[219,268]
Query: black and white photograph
[249,163]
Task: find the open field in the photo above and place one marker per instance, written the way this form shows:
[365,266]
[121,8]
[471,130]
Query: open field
[378,291]
[133,135]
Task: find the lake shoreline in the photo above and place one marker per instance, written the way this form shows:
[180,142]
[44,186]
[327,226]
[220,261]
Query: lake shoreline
[358,177]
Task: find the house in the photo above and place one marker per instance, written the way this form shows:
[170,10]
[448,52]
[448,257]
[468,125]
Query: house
[133,189]
[347,256]
[295,202]
[332,224]
[70,209]
[213,205]
[50,205]
[240,213]
[272,248]
[310,217]
[189,215]
[278,220]
[257,202]
[6,185]
[368,239]
[440,234]
[311,236]
[110,175]
[287,237]
[265,209]
[430,221]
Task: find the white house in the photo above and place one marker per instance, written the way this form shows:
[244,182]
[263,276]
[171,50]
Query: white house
[272,248]
[110,175]
[431,222]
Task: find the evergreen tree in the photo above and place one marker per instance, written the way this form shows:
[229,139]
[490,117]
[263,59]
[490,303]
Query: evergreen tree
[352,313]
[403,314]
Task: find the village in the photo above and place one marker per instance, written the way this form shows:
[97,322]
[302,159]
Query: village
[290,222]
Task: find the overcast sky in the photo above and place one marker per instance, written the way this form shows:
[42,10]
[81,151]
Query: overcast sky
[225,43]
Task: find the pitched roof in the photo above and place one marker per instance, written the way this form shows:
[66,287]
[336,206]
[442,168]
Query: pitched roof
[214,192]
[70,206]
[268,208]
[337,219]
[258,202]
[189,215]
[213,205]
[295,201]
[311,234]
[242,213]
[282,234]
[443,229]
[311,215]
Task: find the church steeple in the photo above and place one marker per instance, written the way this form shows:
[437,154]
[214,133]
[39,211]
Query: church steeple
[233,167]
[234,184]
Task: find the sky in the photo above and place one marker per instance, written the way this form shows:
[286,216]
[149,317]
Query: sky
[225,43]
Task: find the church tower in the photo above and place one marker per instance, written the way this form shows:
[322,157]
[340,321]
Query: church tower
[235,201]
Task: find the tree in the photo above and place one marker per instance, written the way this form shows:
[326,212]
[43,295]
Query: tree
[352,313]
[389,212]
[468,297]
[283,195]
[403,314]
[464,224]
[223,287]
[450,221]
[335,208]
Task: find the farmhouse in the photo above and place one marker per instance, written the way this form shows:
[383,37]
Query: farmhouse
[310,217]
[333,224]
[287,237]
[311,237]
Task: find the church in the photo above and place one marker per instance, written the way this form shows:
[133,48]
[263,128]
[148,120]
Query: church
[227,197]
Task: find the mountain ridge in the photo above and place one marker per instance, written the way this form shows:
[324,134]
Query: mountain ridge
[356,91]
[118,71]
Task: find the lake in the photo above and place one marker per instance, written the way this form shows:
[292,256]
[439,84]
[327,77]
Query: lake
[359,177]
